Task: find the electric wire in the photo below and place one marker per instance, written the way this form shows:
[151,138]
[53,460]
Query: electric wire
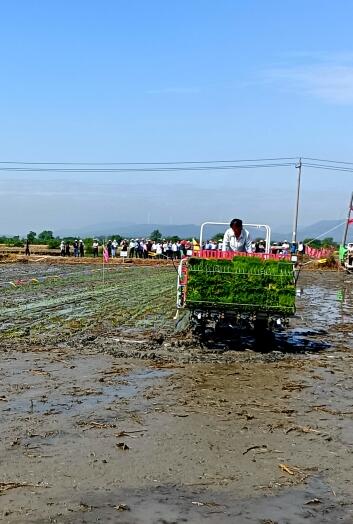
[175,166]
[144,169]
[153,163]
[328,167]
[327,161]
[326,232]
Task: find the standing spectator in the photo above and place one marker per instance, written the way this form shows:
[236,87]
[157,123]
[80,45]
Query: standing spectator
[62,248]
[149,247]
[159,250]
[165,248]
[132,248]
[285,247]
[27,251]
[109,248]
[136,247]
[124,247]
[169,250]
[67,249]
[76,248]
[114,246]
[178,250]
[140,248]
[95,247]
[82,248]
[174,250]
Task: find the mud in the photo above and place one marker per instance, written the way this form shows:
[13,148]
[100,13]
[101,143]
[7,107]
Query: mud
[107,415]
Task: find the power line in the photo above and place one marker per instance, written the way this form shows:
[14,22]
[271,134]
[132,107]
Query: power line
[329,167]
[150,163]
[177,166]
[144,169]
[326,232]
[327,161]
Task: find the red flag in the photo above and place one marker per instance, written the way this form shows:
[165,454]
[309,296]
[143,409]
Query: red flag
[105,255]
[350,221]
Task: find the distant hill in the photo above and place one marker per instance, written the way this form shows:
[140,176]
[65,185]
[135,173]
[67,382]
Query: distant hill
[322,228]
[129,230]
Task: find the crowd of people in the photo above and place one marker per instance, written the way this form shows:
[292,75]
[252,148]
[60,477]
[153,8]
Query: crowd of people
[236,239]
[286,248]
[147,248]
[133,248]
[78,248]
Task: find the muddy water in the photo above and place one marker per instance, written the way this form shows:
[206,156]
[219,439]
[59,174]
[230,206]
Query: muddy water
[90,434]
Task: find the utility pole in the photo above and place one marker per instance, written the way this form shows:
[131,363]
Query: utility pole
[349,221]
[295,223]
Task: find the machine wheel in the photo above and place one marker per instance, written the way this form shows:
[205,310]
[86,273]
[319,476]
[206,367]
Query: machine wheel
[182,321]
[264,338]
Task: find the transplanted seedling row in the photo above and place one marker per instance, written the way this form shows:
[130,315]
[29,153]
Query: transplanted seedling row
[57,310]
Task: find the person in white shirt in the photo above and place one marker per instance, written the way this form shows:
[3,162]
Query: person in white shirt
[236,238]
[114,246]
[285,247]
[174,250]
[95,247]
[132,248]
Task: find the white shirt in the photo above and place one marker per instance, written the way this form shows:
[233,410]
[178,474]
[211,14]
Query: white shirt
[232,243]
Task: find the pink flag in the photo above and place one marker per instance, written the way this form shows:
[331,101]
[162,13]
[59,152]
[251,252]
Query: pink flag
[105,255]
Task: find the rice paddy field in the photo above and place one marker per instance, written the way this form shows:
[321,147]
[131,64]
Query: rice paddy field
[107,414]
[60,303]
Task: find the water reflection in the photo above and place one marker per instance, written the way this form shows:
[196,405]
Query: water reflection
[326,303]
[325,299]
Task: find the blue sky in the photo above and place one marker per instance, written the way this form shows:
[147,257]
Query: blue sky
[136,81]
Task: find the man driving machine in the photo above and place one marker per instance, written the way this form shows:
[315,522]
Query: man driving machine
[236,238]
